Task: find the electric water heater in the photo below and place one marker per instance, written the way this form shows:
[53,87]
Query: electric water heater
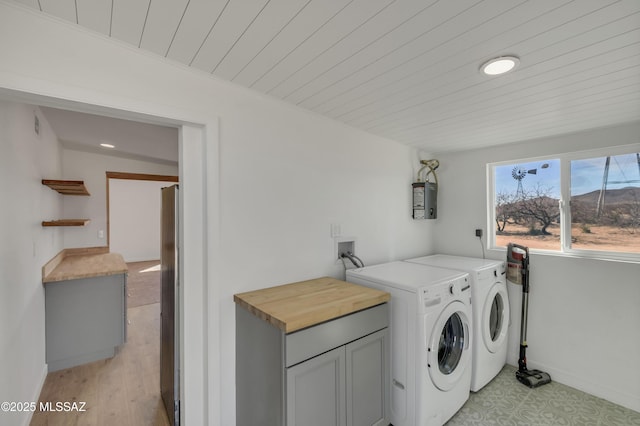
[425,200]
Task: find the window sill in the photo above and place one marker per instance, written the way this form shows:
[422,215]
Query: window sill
[580,254]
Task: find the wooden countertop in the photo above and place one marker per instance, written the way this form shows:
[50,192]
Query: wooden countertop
[75,266]
[295,306]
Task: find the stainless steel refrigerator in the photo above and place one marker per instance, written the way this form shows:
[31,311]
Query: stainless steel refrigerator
[169,305]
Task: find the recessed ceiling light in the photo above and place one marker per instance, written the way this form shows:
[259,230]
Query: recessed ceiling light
[107,145]
[500,65]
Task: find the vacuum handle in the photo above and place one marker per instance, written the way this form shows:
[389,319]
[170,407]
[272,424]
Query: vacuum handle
[523,248]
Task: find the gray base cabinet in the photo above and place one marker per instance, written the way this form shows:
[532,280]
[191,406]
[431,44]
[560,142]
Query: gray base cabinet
[316,391]
[333,373]
[85,319]
[366,392]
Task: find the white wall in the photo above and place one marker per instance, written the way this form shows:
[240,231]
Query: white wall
[285,176]
[134,218]
[25,159]
[584,315]
[92,168]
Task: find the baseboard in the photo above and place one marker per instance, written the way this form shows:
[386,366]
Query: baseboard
[626,400]
[36,396]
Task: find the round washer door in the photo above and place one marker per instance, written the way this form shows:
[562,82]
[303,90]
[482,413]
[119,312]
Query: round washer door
[495,317]
[448,346]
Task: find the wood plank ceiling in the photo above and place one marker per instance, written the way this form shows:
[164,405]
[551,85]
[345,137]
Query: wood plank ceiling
[407,70]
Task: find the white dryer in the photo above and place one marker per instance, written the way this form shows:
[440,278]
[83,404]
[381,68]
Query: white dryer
[431,337]
[490,305]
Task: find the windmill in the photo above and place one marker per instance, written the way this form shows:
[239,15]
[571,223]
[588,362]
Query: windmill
[520,173]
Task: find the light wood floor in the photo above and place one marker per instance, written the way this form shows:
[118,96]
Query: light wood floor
[143,283]
[123,390]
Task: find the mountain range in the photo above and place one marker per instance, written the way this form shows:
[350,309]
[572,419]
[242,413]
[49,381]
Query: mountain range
[626,195]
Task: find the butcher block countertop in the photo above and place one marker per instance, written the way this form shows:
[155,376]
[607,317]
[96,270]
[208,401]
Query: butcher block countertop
[295,306]
[69,265]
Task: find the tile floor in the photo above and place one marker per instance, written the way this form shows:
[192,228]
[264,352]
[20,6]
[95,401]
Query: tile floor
[505,401]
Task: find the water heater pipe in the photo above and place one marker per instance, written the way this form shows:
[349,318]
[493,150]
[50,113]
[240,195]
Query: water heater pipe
[432,165]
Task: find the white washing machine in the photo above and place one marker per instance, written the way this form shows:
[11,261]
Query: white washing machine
[431,337]
[490,306]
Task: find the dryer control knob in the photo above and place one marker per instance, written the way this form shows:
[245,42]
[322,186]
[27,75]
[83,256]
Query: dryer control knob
[453,289]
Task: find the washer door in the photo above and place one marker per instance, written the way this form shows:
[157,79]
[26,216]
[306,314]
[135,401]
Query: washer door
[495,317]
[448,346]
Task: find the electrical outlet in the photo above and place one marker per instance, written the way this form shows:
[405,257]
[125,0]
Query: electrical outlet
[479,233]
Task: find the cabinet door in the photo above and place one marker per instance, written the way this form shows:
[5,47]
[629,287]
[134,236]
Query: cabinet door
[367,371]
[316,391]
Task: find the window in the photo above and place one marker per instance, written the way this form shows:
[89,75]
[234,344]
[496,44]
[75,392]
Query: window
[585,204]
[605,203]
[527,209]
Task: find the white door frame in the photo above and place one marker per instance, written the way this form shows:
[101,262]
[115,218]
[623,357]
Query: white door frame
[199,210]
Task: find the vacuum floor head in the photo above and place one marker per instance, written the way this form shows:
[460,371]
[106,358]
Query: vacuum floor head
[533,378]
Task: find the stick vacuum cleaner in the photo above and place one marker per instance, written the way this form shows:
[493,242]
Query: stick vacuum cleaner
[518,273]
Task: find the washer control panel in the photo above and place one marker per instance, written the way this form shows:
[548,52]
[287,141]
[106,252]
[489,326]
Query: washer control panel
[443,292]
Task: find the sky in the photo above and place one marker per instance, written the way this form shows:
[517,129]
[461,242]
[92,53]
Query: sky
[548,177]
[586,175]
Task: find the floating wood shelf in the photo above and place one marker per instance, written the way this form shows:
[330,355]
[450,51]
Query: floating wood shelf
[66,222]
[67,187]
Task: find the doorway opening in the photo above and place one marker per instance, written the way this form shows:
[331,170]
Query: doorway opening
[132,378]
[194,323]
